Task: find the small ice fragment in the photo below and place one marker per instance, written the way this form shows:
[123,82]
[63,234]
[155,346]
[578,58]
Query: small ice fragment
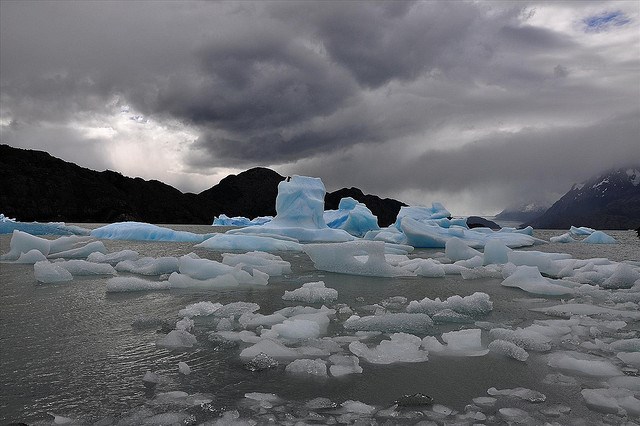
[312,367]
[509,349]
[177,339]
[261,362]
[183,368]
[314,292]
[521,393]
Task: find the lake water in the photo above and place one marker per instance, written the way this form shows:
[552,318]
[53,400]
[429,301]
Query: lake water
[71,349]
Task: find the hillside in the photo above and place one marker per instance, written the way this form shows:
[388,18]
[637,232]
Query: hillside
[607,201]
[38,186]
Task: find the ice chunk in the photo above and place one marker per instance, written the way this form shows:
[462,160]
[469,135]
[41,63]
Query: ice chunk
[203,269]
[624,276]
[80,252]
[113,258]
[581,364]
[614,400]
[569,309]
[239,242]
[140,231]
[47,272]
[177,280]
[528,278]
[8,226]
[199,309]
[311,367]
[401,348]
[261,362]
[515,416]
[344,258]
[508,349]
[185,324]
[495,252]
[474,305]
[149,266]
[564,238]
[630,358]
[82,267]
[265,262]
[120,284]
[235,309]
[278,351]
[523,337]
[224,220]
[358,407]
[31,257]
[582,230]
[177,339]
[295,329]
[249,320]
[300,210]
[21,242]
[351,216]
[456,249]
[626,382]
[547,263]
[521,393]
[389,323]
[599,237]
[625,345]
[183,368]
[314,292]
[344,364]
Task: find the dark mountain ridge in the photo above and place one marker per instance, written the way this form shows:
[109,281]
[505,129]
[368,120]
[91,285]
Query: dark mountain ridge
[608,201]
[39,187]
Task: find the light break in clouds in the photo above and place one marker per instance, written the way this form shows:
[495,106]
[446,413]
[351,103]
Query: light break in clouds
[479,105]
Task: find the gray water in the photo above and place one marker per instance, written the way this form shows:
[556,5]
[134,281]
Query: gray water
[71,349]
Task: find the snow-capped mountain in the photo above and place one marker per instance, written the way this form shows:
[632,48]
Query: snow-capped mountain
[522,213]
[607,201]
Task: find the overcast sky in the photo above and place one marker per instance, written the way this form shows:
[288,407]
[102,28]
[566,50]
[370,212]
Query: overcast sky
[478,105]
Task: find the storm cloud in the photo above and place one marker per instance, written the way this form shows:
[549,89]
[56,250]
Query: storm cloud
[478,104]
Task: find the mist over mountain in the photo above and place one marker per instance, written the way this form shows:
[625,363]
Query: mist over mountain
[608,201]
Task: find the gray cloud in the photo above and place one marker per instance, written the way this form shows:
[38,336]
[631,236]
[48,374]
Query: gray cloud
[395,97]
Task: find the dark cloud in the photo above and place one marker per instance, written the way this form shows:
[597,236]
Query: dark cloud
[391,96]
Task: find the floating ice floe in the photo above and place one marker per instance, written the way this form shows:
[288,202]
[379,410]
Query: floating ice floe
[351,216]
[205,273]
[564,238]
[47,272]
[314,292]
[354,257]
[265,262]
[599,237]
[520,393]
[581,230]
[613,400]
[465,342]
[240,242]
[474,305]
[113,258]
[569,309]
[224,220]
[8,225]
[149,265]
[140,231]
[508,349]
[528,278]
[572,362]
[402,347]
[308,367]
[22,243]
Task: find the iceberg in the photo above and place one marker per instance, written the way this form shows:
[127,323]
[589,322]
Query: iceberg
[265,262]
[581,230]
[300,213]
[47,272]
[360,257]
[529,279]
[564,238]
[224,220]
[465,342]
[353,217]
[599,237]
[402,347]
[149,265]
[311,367]
[238,242]
[8,225]
[474,305]
[314,292]
[140,231]
[390,323]
[508,349]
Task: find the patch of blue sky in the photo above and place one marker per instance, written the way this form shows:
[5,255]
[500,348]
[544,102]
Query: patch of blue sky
[605,21]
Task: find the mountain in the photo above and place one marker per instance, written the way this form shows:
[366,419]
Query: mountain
[38,186]
[523,213]
[607,201]
[385,209]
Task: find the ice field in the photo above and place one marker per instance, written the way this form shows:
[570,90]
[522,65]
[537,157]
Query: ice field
[292,321]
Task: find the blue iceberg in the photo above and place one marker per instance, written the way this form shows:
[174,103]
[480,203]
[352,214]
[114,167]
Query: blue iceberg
[140,231]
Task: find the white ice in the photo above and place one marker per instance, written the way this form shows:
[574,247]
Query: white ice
[177,339]
[140,231]
[113,258]
[265,262]
[474,305]
[351,216]
[239,242]
[525,338]
[309,367]
[389,323]
[149,265]
[47,272]
[466,342]
[508,349]
[345,258]
[79,252]
[564,238]
[313,292]
[528,278]
[582,364]
[402,347]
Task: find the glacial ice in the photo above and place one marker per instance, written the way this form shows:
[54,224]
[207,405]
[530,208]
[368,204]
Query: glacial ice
[402,347]
[8,226]
[614,400]
[149,265]
[184,368]
[599,237]
[22,242]
[177,339]
[564,238]
[113,258]
[474,305]
[466,342]
[122,284]
[224,220]
[390,323]
[200,309]
[314,292]
[569,309]
[205,269]
[525,338]
[581,230]
[520,393]
[310,367]
[31,257]
[624,276]
[582,364]
[278,351]
[47,272]
[140,231]
[265,262]
[351,216]
[344,258]
[341,365]
[300,213]
[508,349]
[79,252]
[455,249]
[240,242]
[528,278]
[82,267]
[294,330]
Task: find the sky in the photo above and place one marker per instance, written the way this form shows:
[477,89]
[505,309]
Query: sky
[479,105]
